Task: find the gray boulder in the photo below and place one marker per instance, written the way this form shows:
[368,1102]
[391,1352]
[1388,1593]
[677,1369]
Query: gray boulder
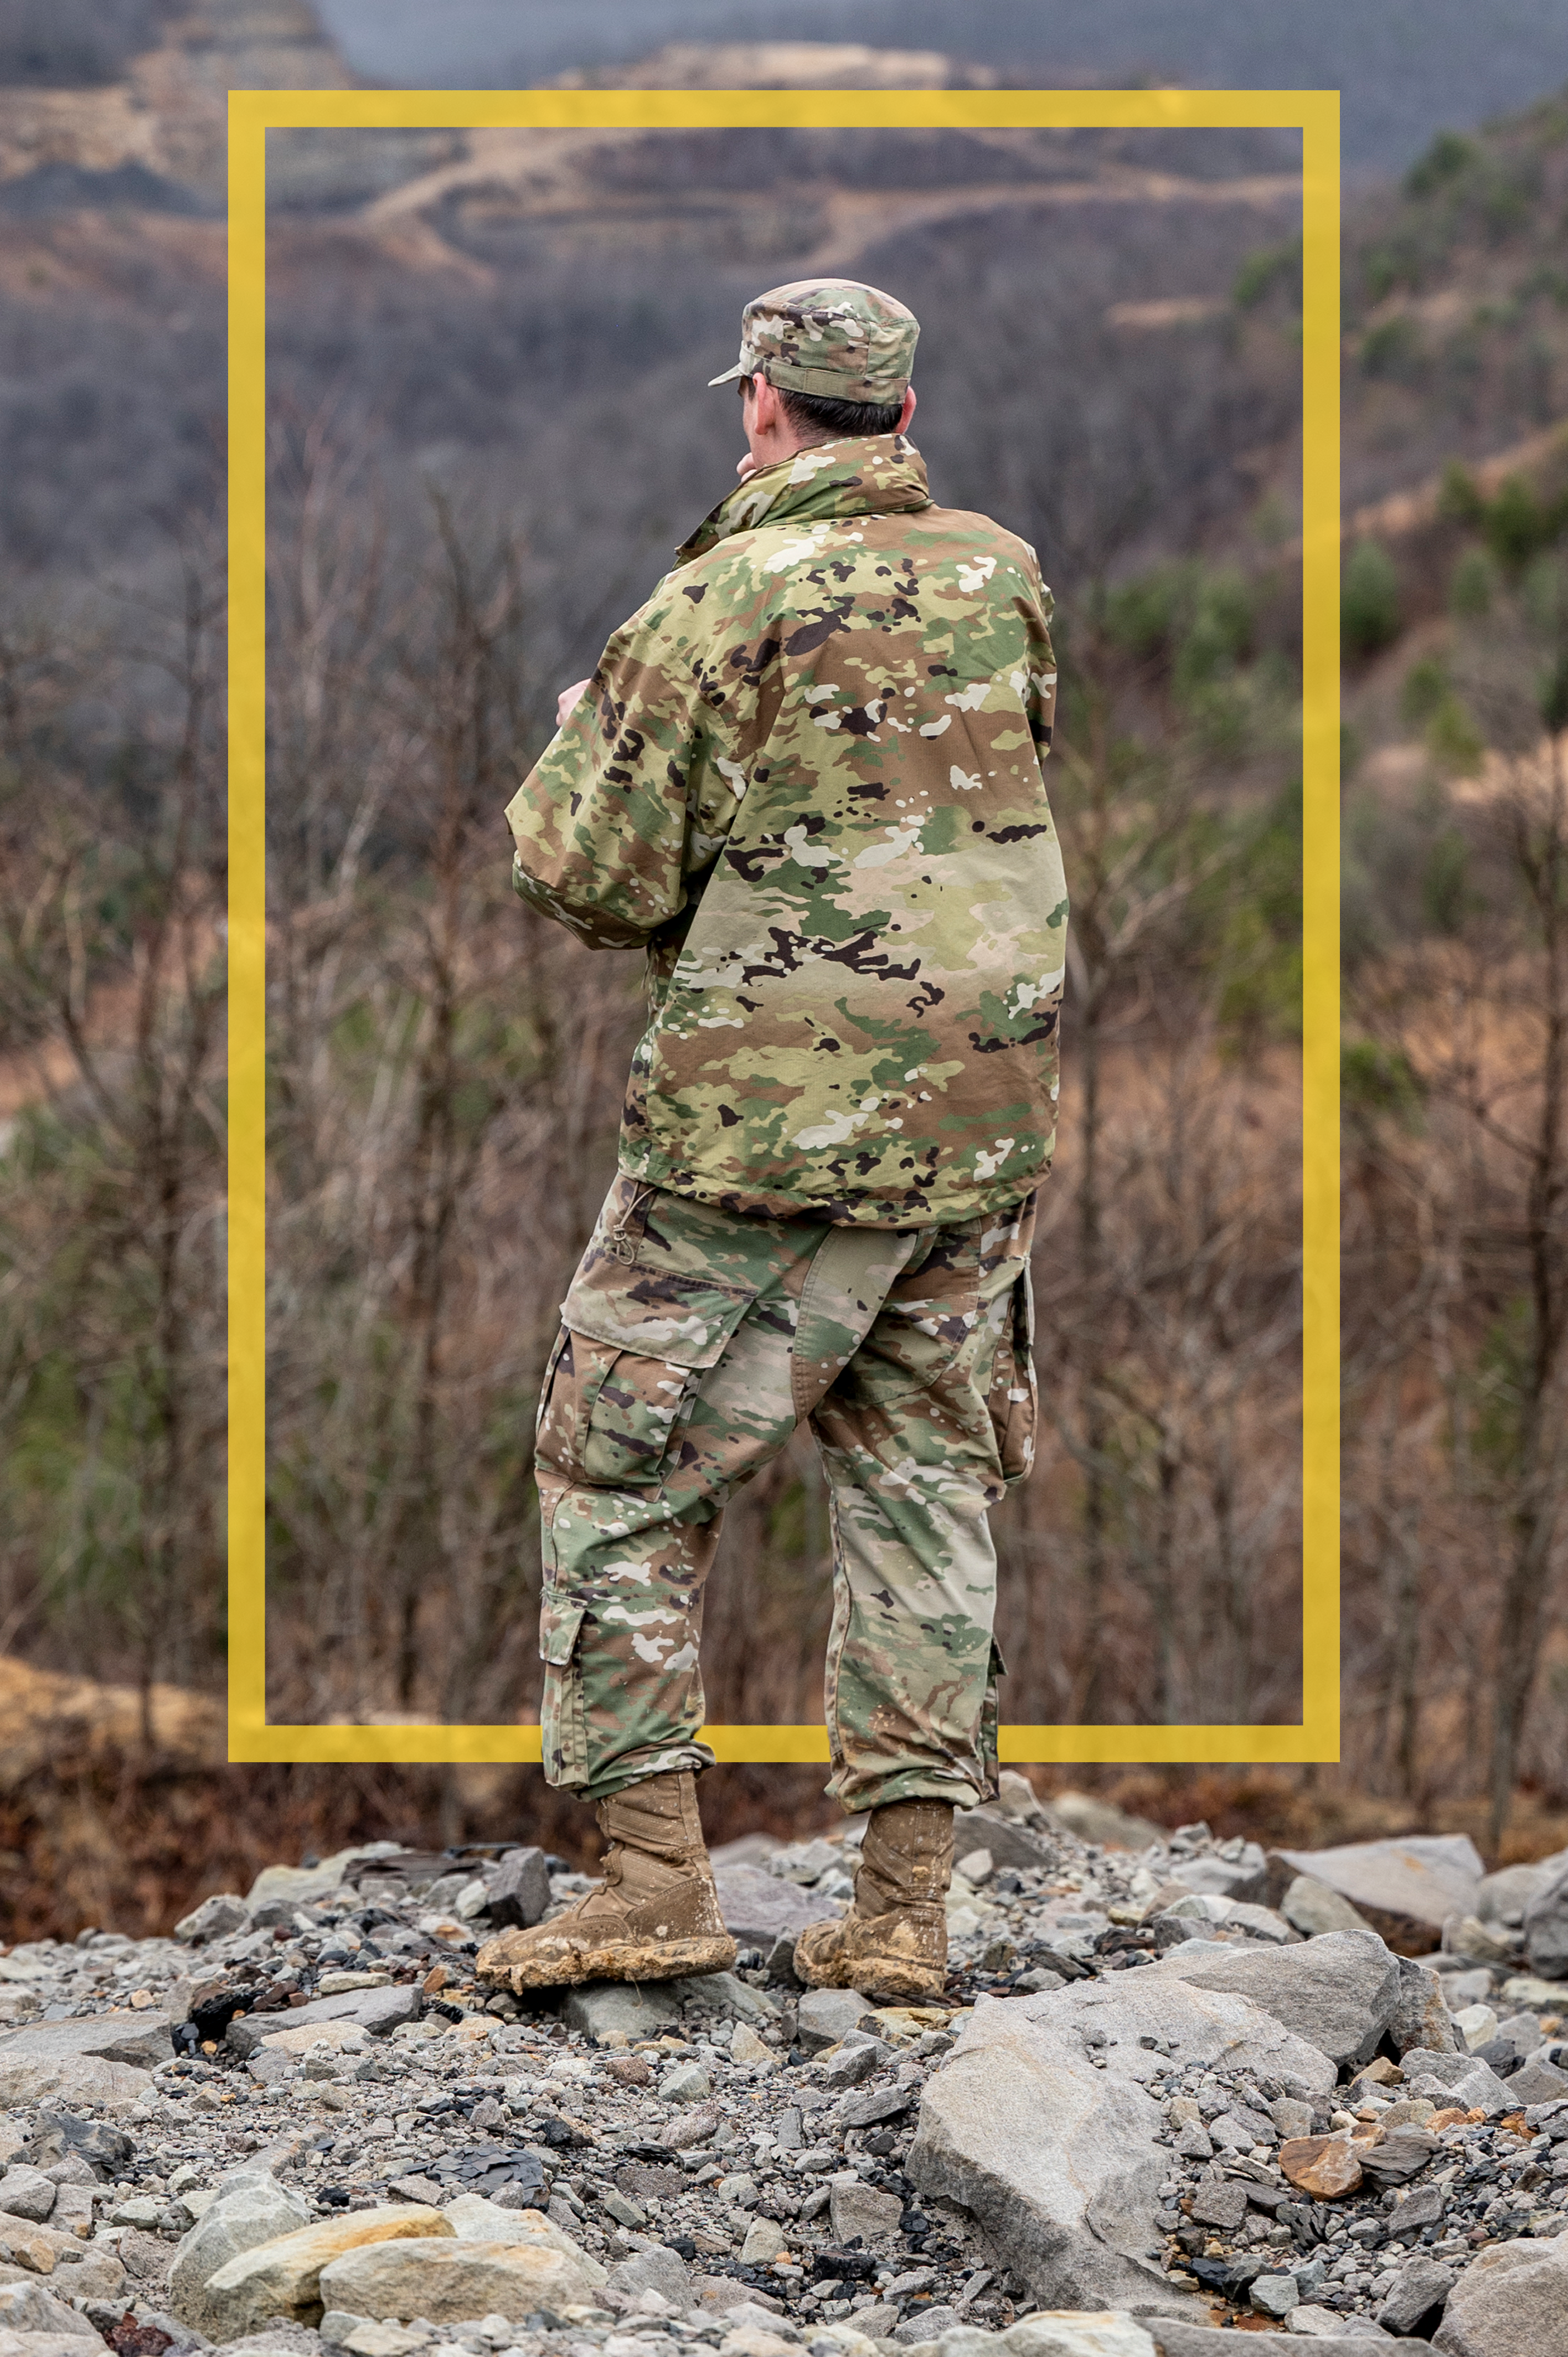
[1504,1896]
[1511,2301]
[1357,2339]
[759,1907]
[1538,2080]
[1057,2157]
[1546,1930]
[1103,1822]
[141,2039]
[1420,2016]
[1405,1887]
[28,2308]
[216,1917]
[1245,1878]
[250,2207]
[1338,1992]
[377,2011]
[1313,1906]
[300,1884]
[1011,1840]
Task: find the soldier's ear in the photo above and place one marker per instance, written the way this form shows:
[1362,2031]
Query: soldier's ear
[907,412]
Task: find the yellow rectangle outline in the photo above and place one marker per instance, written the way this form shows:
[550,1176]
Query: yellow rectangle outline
[252,113]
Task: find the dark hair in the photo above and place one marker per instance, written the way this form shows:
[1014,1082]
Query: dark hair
[810,412]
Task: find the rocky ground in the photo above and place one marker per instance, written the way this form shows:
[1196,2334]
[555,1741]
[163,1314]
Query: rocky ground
[302,2125]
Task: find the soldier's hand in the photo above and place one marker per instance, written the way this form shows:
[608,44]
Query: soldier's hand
[566,702]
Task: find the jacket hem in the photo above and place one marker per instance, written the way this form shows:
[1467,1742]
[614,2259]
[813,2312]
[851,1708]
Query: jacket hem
[944,1207]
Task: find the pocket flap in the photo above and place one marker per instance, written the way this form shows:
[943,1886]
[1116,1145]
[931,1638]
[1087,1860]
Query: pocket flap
[558,1626]
[656,1313]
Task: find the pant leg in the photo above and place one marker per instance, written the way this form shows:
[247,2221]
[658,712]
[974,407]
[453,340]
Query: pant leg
[681,1371]
[928,1426]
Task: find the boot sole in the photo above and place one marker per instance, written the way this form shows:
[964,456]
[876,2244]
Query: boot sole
[615,1960]
[886,1982]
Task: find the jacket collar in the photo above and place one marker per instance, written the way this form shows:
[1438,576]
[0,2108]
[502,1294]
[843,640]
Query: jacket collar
[869,474]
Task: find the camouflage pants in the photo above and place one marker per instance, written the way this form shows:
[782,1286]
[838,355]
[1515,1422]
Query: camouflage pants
[693,1341]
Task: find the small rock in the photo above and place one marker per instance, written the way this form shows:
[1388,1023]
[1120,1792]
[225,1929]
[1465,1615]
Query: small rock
[1546,1930]
[630,2069]
[747,2048]
[1485,1943]
[861,2209]
[764,2242]
[601,2009]
[27,2194]
[1420,2015]
[1475,2025]
[1220,2202]
[660,2269]
[691,2128]
[1273,2295]
[1461,2079]
[363,2336]
[1322,2165]
[141,2210]
[215,1919]
[846,2066]
[688,2085]
[925,2324]
[878,2103]
[976,1867]
[1421,2287]
[1290,2117]
[826,2016]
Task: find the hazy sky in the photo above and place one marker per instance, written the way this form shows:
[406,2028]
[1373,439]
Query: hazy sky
[1406,67]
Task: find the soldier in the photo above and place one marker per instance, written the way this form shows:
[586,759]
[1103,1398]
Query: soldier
[806,779]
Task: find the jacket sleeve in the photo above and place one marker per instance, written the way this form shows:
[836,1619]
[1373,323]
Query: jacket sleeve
[629,806]
[1040,697]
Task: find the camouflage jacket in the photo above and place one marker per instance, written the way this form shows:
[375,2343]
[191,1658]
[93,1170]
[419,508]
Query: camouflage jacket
[806,778]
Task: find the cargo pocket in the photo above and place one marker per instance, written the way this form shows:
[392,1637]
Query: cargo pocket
[562,1714]
[642,1341]
[1014,1396]
[548,1384]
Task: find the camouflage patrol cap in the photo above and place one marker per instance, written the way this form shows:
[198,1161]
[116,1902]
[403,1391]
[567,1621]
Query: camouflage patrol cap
[831,337]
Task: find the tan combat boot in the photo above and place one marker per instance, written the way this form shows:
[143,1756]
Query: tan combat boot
[893,1940]
[655,1915]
